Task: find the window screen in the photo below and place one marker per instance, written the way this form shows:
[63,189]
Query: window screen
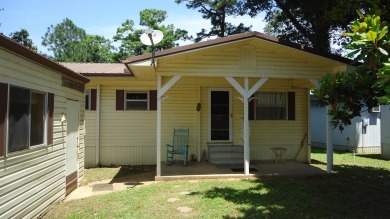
[271,106]
[136,100]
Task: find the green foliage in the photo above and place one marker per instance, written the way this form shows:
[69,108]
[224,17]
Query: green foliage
[70,43]
[130,37]
[216,11]
[369,85]
[62,40]
[22,37]
[94,48]
[314,23]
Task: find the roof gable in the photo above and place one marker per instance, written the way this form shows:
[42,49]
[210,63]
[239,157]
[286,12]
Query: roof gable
[272,41]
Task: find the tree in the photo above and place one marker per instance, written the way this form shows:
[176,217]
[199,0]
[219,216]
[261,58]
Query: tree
[22,37]
[349,93]
[62,39]
[217,11]
[70,43]
[94,48]
[130,37]
[311,22]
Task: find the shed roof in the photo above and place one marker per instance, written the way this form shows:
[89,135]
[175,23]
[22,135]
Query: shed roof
[234,38]
[99,69]
[27,53]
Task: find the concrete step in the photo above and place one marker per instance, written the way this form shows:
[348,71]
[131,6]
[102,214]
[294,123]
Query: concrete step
[229,154]
[227,161]
[226,154]
[225,148]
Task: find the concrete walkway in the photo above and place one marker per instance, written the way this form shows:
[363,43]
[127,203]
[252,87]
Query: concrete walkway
[111,185]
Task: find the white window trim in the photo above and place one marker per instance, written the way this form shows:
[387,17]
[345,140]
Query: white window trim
[147,100]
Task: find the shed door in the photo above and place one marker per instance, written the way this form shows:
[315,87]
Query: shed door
[220,121]
[72,132]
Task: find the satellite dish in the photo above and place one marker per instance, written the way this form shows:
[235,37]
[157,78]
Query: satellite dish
[151,37]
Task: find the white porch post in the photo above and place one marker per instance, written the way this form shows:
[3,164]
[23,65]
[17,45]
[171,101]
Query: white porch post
[246,128]
[328,135]
[246,93]
[329,142]
[161,90]
[158,171]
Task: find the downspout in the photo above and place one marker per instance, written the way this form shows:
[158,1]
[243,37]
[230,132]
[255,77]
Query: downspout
[97,139]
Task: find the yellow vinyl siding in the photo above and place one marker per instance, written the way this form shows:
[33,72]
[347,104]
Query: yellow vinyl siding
[126,137]
[90,138]
[227,61]
[33,179]
[129,137]
[265,134]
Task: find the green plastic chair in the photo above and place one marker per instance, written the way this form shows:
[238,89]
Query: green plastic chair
[179,145]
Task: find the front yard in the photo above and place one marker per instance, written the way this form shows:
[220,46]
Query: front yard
[360,190]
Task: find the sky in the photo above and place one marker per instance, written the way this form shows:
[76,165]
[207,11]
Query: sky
[100,17]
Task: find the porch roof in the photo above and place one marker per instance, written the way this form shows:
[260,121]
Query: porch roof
[235,38]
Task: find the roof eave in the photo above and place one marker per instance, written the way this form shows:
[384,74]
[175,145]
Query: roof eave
[27,53]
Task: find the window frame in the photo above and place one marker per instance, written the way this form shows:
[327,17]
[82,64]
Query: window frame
[87,93]
[147,100]
[286,111]
[44,120]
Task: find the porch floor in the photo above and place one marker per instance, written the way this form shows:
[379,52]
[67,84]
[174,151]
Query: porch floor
[206,170]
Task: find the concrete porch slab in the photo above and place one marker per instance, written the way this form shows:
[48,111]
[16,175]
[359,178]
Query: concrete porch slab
[206,170]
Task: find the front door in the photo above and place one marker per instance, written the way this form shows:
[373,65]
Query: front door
[220,111]
[72,132]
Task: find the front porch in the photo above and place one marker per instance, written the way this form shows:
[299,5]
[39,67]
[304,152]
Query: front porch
[258,169]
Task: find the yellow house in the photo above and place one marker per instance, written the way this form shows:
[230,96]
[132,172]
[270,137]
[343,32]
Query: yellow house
[246,90]
[41,131]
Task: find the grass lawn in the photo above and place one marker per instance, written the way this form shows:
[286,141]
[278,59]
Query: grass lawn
[102,173]
[360,190]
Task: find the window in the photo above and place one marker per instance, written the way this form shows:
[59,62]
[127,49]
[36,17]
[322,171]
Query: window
[87,99]
[136,100]
[271,106]
[26,118]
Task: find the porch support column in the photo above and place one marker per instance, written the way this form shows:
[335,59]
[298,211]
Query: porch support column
[160,92]
[328,135]
[246,128]
[329,142]
[246,93]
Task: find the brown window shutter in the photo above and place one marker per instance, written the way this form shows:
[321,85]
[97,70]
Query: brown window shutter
[251,110]
[50,104]
[291,105]
[153,100]
[3,118]
[93,99]
[120,99]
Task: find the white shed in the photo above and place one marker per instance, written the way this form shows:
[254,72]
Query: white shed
[41,131]
[363,135]
[385,137]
